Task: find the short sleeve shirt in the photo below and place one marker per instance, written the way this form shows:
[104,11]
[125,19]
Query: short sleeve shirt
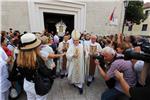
[126,68]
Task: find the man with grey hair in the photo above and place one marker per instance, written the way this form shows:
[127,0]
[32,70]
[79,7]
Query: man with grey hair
[115,91]
[93,49]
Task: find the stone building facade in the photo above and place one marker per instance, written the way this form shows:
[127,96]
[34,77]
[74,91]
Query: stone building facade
[92,16]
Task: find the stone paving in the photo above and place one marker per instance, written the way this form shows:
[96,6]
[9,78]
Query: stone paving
[62,90]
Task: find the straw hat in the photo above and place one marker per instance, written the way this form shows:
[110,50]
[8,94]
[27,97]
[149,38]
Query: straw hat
[75,35]
[29,41]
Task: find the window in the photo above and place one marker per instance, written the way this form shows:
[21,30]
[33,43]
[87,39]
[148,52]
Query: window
[130,28]
[144,27]
[147,12]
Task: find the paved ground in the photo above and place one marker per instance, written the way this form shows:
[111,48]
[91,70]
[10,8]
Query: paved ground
[62,90]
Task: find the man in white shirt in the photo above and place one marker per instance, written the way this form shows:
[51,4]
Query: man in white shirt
[4,82]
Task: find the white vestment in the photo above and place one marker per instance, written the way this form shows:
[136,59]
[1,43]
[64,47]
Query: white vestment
[76,66]
[61,46]
[85,44]
[88,53]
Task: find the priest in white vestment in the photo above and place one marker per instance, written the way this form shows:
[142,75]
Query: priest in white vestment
[76,67]
[62,62]
[93,49]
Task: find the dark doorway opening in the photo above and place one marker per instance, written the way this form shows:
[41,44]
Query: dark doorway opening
[50,20]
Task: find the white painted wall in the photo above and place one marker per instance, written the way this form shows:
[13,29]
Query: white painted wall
[37,8]
[90,16]
[98,17]
[15,15]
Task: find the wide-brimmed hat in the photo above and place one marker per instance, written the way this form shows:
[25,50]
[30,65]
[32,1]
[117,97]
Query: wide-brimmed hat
[29,41]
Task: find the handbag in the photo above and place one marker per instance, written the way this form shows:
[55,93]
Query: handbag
[43,80]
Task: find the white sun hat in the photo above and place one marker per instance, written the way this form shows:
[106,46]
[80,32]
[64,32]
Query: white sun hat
[29,41]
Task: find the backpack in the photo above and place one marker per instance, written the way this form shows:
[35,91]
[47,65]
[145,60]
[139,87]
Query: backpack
[43,78]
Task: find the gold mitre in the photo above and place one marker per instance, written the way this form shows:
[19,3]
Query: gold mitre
[75,35]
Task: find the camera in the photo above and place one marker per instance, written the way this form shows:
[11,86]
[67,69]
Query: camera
[100,58]
[130,54]
[144,55]
[144,44]
[146,47]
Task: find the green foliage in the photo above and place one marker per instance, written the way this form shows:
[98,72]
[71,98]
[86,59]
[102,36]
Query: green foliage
[134,12]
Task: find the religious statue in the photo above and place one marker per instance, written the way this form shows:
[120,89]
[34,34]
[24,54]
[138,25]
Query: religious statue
[61,28]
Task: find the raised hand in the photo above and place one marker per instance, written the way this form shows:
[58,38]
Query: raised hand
[118,75]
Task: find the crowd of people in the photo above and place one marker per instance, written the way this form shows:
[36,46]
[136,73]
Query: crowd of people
[75,56]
